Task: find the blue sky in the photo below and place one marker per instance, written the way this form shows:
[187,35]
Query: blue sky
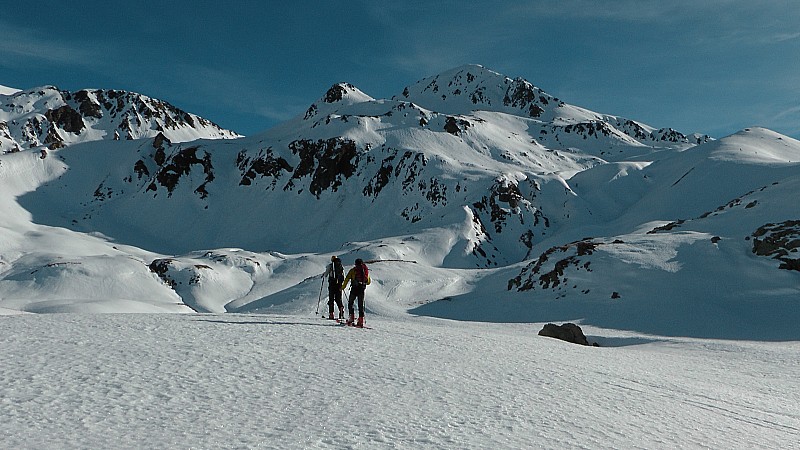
[712,66]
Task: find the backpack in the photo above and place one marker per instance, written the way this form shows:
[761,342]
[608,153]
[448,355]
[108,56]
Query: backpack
[338,271]
[362,274]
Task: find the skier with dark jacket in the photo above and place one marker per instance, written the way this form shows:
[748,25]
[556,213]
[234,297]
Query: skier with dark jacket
[359,274]
[335,274]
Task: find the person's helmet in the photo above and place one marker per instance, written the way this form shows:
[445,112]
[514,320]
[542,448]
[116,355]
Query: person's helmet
[359,261]
[333,257]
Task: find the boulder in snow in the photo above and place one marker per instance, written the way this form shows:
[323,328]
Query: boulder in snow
[568,332]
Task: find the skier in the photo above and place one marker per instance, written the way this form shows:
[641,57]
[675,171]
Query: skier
[360,276]
[335,274]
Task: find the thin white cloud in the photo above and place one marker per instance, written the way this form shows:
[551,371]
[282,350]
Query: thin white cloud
[621,10]
[781,37]
[793,113]
[27,45]
[657,11]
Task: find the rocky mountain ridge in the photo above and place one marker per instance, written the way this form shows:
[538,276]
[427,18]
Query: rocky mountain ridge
[496,188]
[482,167]
[51,117]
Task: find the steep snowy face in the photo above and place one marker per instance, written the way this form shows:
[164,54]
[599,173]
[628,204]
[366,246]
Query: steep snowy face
[51,117]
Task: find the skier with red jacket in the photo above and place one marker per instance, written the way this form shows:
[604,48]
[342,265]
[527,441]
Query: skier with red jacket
[359,274]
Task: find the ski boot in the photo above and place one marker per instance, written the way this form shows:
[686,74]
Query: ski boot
[350,320]
[360,322]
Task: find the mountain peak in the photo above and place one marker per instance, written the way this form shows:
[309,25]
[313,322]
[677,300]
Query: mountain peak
[474,87]
[756,145]
[345,93]
[340,94]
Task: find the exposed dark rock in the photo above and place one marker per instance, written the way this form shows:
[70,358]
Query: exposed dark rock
[667,227]
[381,179]
[479,96]
[411,213]
[102,192]
[634,130]
[434,191]
[508,192]
[265,165]
[535,273]
[53,139]
[328,162]
[141,169]
[66,118]
[527,239]
[412,163]
[310,112]
[178,165]
[523,95]
[86,106]
[592,128]
[160,156]
[456,126]
[503,199]
[669,135]
[337,92]
[161,268]
[567,332]
[201,191]
[160,140]
[781,241]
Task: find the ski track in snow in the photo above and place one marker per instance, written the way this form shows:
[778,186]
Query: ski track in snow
[248,381]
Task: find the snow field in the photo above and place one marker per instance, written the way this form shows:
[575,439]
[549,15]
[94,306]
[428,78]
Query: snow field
[268,381]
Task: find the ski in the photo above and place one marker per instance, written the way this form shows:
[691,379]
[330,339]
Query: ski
[343,322]
[351,325]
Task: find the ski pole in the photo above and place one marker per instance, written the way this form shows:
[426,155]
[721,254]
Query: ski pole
[349,294]
[320,293]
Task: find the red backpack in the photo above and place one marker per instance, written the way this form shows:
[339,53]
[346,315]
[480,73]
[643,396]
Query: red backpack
[362,274]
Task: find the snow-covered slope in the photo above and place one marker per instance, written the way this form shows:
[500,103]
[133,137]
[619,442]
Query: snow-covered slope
[470,187]
[276,381]
[5,90]
[48,116]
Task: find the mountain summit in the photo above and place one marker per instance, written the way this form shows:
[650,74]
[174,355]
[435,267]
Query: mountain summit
[473,87]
